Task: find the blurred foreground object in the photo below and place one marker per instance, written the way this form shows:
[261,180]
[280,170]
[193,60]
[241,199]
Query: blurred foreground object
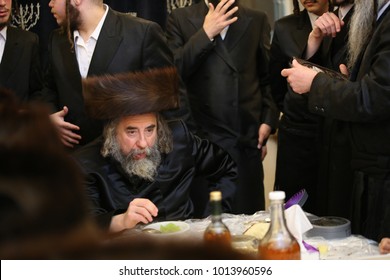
[42,204]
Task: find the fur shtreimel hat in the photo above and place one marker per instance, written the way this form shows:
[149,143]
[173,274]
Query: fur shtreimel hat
[124,94]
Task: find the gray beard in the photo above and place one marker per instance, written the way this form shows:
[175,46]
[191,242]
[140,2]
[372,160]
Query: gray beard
[361,28]
[145,168]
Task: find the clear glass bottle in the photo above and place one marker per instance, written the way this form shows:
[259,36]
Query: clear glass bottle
[278,243]
[217,232]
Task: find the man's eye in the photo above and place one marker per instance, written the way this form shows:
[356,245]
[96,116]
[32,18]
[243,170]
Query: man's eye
[131,132]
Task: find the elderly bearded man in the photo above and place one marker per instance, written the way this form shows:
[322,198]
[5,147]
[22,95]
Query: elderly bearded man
[363,102]
[142,167]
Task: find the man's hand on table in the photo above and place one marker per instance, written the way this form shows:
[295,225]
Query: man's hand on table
[384,246]
[140,210]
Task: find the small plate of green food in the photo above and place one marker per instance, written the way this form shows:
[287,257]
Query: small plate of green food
[167,228]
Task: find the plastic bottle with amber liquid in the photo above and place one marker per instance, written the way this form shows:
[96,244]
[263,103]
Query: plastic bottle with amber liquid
[278,243]
[217,233]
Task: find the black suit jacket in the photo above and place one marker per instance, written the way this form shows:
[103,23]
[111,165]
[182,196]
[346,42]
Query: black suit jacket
[335,179]
[20,69]
[110,190]
[364,103]
[333,51]
[227,81]
[289,40]
[297,156]
[125,43]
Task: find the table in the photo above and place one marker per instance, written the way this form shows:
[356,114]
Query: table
[352,247]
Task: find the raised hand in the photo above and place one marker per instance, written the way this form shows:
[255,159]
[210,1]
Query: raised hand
[218,18]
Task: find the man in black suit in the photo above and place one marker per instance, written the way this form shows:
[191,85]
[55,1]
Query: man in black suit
[363,102]
[142,167]
[95,40]
[20,69]
[221,50]
[328,43]
[297,156]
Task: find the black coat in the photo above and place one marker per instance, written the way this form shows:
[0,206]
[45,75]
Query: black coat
[364,103]
[289,40]
[335,179]
[227,83]
[228,88]
[298,143]
[110,190]
[20,69]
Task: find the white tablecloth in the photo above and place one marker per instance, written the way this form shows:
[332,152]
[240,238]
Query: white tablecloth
[352,247]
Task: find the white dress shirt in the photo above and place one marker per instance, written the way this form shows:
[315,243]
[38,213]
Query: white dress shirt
[84,49]
[381,11]
[343,10]
[313,18]
[3,38]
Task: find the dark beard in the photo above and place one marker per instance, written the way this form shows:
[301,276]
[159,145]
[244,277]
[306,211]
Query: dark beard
[73,18]
[343,3]
[215,3]
[145,168]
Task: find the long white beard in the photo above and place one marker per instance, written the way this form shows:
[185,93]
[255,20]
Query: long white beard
[145,168]
[361,28]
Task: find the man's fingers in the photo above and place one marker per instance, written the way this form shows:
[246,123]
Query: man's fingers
[344,70]
[231,12]
[285,73]
[145,204]
[222,6]
[69,126]
[69,132]
[66,143]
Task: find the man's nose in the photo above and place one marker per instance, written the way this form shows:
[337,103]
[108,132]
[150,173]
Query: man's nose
[142,141]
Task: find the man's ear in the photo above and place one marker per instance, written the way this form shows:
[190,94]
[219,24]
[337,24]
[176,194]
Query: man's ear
[77,2]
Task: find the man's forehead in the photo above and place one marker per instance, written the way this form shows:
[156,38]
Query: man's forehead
[143,120]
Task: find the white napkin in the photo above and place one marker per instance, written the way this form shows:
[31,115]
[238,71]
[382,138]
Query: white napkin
[297,223]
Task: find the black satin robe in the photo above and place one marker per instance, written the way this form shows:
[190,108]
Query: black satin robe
[110,191]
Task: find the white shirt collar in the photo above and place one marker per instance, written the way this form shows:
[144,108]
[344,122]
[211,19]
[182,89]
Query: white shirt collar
[3,38]
[3,33]
[343,10]
[313,18]
[96,32]
[381,11]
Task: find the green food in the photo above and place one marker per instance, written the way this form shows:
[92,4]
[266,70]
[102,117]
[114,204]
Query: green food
[170,227]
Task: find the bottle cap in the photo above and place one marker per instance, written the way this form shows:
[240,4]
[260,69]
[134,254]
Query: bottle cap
[277,195]
[215,195]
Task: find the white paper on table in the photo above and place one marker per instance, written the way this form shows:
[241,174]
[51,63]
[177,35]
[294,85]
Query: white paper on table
[297,223]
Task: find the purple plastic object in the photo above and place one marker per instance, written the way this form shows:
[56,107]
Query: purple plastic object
[309,248]
[298,198]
